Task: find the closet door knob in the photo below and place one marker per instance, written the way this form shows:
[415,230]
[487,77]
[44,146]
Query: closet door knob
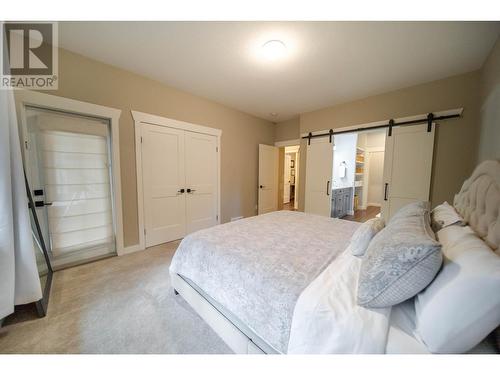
[181,191]
[190,190]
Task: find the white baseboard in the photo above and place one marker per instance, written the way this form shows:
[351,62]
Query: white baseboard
[131,249]
[374,204]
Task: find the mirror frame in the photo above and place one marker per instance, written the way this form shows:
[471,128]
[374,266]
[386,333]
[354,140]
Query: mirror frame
[42,304]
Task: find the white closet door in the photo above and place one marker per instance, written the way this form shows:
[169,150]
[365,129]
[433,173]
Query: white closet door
[319,165]
[201,181]
[268,179]
[286,193]
[407,167]
[163,178]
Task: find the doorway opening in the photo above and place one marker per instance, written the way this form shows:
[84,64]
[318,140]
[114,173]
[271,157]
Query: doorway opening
[357,175]
[353,173]
[178,178]
[290,177]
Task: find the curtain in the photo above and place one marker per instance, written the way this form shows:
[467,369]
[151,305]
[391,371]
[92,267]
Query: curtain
[19,280]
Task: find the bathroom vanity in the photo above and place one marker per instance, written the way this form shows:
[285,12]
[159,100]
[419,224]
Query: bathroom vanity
[341,201]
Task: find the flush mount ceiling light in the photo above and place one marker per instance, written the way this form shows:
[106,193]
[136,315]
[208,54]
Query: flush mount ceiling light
[274,49]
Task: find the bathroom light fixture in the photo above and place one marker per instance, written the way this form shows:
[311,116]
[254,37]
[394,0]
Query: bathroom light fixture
[274,49]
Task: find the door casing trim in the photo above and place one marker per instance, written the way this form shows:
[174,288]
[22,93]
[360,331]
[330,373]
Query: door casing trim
[24,98]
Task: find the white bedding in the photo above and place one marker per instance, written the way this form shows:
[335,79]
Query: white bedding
[402,338]
[315,314]
[257,268]
[327,318]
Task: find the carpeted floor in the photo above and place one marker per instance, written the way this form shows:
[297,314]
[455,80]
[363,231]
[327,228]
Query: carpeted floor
[117,305]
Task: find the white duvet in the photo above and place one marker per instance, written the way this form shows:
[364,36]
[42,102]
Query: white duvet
[327,319]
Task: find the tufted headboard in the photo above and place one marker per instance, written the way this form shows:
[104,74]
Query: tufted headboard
[478,202]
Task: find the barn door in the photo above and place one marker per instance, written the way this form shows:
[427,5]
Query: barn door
[407,167]
[319,164]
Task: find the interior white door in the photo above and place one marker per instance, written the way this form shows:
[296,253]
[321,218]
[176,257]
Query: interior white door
[319,166]
[286,183]
[201,181]
[297,165]
[407,167]
[268,179]
[163,178]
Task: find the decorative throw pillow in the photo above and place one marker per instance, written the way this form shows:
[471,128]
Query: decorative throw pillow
[364,234]
[412,209]
[445,215]
[401,260]
[462,305]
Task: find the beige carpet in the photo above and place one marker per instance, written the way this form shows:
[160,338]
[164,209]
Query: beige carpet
[117,305]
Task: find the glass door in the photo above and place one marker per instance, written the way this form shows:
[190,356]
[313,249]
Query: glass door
[68,166]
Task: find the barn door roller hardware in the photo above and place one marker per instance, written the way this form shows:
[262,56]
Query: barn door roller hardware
[423,119]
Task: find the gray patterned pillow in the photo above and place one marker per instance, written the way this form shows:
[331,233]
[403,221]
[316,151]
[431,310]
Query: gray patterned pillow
[401,260]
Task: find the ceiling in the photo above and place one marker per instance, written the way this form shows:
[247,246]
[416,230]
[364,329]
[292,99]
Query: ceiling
[326,62]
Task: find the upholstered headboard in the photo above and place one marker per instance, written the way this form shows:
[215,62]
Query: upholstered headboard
[478,202]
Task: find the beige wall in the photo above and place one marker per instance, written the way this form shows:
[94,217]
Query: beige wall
[375,139]
[287,130]
[489,145]
[456,140]
[91,81]
[456,147]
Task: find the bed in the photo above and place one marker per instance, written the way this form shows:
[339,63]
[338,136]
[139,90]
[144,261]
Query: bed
[254,280]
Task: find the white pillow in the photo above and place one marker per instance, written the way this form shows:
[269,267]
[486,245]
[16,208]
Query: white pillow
[417,208]
[462,305]
[445,215]
[364,234]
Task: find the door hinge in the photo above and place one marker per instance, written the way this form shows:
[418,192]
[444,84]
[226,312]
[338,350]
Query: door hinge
[26,145]
[216,217]
[144,231]
[141,139]
[216,149]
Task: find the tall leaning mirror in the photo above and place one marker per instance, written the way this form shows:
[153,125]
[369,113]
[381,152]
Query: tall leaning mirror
[42,258]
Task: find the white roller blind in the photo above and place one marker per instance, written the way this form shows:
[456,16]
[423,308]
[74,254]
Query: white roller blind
[77,182]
